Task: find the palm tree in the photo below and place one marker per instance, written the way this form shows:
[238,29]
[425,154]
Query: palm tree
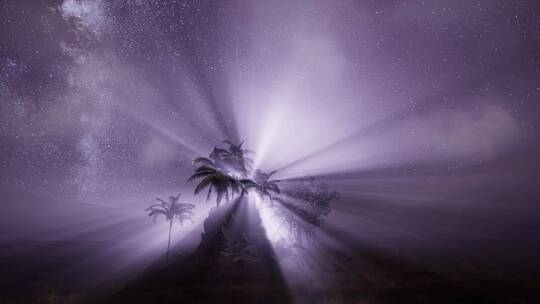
[214,179]
[238,156]
[171,210]
[236,150]
[215,176]
[264,185]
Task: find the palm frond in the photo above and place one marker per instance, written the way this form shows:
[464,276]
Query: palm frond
[209,193]
[185,213]
[163,203]
[273,187]
[154,206]
[226,141]
[248,182]
[202,160]
[219,196]
[205,168]
[197,175]
[155,213]
[180,206]
[235,187]
[201,172]
[218,153]
[203,184]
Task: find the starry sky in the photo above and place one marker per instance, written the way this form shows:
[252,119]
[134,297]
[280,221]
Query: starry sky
[114,98]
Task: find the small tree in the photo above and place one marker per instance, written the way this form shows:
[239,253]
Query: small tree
[171,210]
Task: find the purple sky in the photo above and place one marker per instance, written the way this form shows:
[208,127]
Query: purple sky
[423,114]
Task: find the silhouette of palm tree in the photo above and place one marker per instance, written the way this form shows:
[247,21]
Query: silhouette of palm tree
[214,179]
[264,185]
[215,173]
[237,156]
[171,210]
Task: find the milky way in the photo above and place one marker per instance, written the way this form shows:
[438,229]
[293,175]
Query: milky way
[424,115]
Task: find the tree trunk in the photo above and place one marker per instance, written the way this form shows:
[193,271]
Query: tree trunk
[169,243]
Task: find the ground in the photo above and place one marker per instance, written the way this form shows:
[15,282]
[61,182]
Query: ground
[359,276]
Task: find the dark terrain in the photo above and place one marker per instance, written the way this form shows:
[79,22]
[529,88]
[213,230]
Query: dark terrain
[360,276]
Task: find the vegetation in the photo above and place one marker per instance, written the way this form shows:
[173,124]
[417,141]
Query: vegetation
[172,210]
[228,172]
[265,185]
[223,171]
[237,232]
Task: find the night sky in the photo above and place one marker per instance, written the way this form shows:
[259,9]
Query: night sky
[424,115]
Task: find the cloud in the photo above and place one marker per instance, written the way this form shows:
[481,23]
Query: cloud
[89,16]
[481,133]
